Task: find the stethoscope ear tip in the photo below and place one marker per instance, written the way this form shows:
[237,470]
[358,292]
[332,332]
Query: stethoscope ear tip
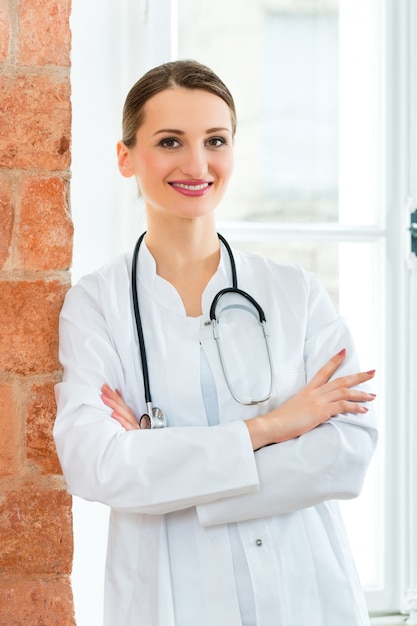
[145,422]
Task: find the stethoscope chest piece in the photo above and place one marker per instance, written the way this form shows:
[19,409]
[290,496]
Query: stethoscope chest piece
[153,419]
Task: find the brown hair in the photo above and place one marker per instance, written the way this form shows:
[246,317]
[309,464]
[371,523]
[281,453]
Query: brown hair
[186,73]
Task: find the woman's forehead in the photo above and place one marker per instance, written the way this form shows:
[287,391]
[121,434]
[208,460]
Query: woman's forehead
[178,106]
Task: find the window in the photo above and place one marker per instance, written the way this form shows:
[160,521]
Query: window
[326,94]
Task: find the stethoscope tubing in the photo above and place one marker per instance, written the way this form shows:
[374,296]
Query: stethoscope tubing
[139,327]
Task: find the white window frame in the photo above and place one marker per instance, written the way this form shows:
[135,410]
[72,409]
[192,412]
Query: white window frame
[401,169]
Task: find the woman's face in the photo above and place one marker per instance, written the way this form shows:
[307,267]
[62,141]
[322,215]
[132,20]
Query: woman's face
[183,156]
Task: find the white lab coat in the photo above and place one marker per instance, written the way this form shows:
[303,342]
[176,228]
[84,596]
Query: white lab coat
[172,492]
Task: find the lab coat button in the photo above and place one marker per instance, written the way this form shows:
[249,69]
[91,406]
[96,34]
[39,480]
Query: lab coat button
[259,542]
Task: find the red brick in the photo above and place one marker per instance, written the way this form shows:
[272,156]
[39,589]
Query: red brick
[29,326]
[6,218]
[36,122]
[10,431]
[40,417]
[35,242]
[45,36]
[4,30]
[36,602]
[45,225]
[35,530]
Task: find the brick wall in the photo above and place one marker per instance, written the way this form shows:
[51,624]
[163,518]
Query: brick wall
[35,253]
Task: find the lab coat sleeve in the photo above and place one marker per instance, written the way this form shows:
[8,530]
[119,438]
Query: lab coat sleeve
[153,472]
[329,462]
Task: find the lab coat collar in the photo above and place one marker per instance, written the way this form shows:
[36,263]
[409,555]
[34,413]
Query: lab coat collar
[166,294]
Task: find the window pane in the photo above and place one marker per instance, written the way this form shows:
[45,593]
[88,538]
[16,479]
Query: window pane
[305,79]
[315,256]
[282,67]
[299,123]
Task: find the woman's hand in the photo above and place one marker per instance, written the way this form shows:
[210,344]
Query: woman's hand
[320,400]
[121,412]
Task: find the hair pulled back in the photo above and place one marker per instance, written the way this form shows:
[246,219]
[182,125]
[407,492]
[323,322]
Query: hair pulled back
[185,73]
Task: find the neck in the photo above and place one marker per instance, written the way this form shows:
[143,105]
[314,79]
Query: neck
[182,243]
[187,254]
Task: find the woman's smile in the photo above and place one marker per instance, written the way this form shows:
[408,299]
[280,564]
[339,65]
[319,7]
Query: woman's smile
[188,188]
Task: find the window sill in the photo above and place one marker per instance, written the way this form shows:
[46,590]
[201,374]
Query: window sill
[391,620]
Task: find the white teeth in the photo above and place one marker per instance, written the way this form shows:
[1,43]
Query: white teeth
[191,187]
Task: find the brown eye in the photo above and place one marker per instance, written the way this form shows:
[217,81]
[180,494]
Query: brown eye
[169,142]
[216,142]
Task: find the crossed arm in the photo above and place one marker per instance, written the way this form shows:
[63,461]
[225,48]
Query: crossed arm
[321,399]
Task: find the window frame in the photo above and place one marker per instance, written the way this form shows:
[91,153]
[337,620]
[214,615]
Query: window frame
[401,195]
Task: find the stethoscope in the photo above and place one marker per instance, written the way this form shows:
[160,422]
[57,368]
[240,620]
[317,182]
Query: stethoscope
[154,417]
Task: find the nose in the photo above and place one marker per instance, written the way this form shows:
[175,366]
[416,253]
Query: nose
[195,163]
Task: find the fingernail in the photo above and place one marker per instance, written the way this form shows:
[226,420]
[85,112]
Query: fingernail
[343,351]
[364,409]
[373,395]
[371,372]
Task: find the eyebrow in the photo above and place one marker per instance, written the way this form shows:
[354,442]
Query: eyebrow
[176,131]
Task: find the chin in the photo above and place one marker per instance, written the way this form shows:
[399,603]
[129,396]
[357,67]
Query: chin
[191,210]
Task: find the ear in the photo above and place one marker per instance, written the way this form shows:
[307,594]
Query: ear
[123,160]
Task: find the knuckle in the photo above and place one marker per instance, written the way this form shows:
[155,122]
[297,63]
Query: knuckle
[345,393]
[345,406]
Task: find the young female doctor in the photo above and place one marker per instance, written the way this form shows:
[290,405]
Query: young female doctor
[211,398]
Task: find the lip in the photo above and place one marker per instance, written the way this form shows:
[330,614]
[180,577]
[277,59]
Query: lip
[193,188]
